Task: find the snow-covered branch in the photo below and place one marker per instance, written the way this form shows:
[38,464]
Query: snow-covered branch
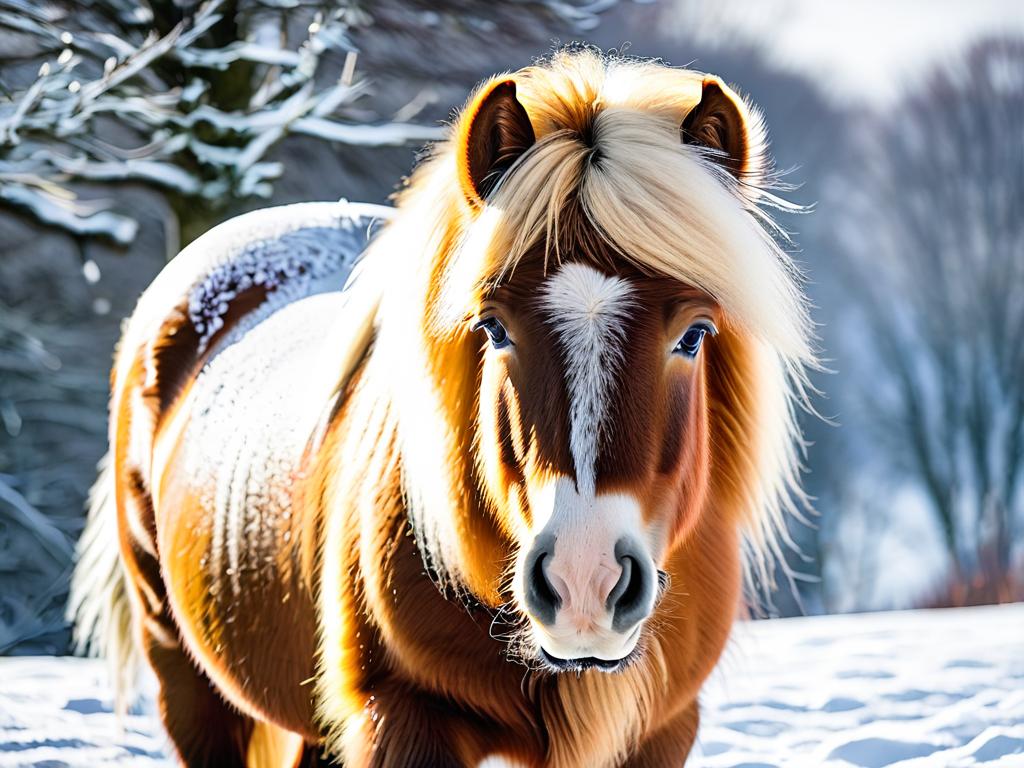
[199,101]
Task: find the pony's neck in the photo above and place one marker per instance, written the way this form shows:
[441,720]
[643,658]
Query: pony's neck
[427,371]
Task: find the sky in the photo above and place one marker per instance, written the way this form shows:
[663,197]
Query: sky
[859,52]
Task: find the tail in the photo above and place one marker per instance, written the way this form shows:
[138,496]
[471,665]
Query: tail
[99,606]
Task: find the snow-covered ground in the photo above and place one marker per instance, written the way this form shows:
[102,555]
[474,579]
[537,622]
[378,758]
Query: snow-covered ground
[936,689]
[55,712]
[917,689]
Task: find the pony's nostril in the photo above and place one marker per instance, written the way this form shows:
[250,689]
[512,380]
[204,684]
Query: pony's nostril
[541,597]
[542,584]
[629,587]
[622,585]
[629,599]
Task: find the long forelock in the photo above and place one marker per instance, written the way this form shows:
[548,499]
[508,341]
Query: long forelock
[637,194]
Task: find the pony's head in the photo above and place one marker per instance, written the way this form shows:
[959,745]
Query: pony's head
[612,342]
[594,442]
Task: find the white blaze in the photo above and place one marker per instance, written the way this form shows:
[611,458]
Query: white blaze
[588,310]
[499,761]
[586,529]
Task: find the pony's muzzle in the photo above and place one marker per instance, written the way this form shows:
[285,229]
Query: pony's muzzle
[588,604]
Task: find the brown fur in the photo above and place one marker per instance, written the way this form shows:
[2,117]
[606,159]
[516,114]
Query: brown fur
[380,633]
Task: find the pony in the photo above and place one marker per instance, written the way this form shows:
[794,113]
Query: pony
[477,480]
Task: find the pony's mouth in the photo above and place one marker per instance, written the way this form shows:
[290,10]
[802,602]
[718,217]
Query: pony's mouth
[584,663]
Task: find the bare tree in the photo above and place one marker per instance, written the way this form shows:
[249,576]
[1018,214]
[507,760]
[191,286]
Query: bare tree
[933,224]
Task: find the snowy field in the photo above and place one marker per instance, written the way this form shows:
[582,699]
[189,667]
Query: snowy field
[917,689]
[936,689]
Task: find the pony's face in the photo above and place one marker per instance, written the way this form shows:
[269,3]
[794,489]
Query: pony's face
[593,422]
[593,446]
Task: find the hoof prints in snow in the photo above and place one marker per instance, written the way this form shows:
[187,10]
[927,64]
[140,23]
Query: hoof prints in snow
[832,692]
[920,689]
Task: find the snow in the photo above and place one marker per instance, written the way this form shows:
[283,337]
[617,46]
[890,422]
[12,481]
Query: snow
[916,689]
[57,713]
[909,688]
[294,264]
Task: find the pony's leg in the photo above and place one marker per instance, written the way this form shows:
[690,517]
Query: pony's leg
[406,731]
[273,747]
[205,729]
[669,746]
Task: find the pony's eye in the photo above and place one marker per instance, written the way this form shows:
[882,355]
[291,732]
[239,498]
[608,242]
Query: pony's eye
[495,332]
[689,345]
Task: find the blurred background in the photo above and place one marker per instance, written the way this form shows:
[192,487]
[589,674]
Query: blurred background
[127,129]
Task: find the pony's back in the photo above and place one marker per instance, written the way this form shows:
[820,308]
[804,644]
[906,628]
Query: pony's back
[234,325]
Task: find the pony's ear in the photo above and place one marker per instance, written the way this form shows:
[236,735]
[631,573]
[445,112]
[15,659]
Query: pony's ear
[496,131]
[718,122]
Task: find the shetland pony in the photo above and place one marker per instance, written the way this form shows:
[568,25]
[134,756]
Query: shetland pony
[488,499]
